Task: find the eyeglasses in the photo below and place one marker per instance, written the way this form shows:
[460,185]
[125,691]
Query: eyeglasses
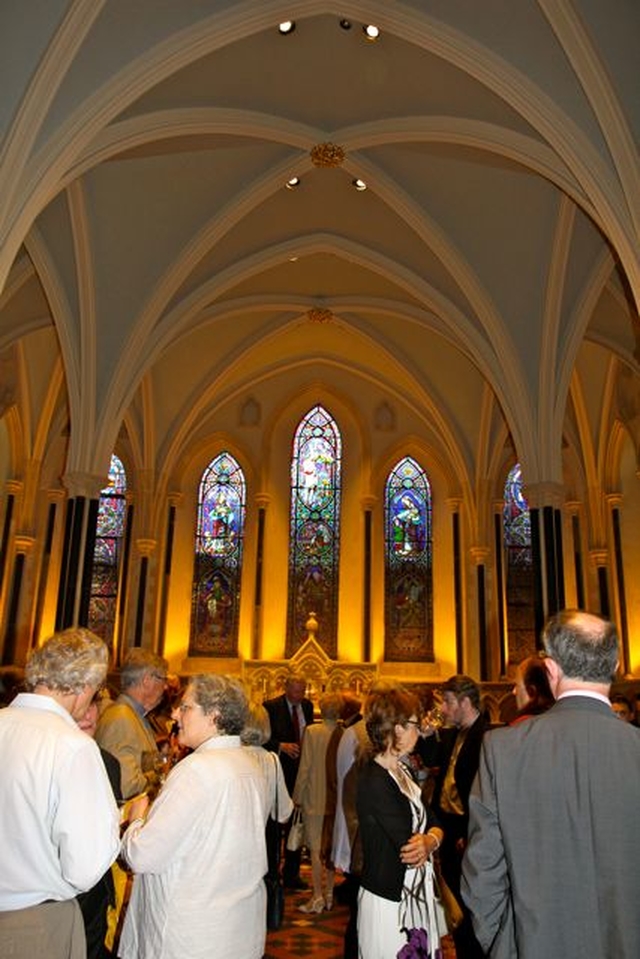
[161,679]
[413,722]
[185,707]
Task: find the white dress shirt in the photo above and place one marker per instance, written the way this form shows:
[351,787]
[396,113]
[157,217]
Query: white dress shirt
[59,823]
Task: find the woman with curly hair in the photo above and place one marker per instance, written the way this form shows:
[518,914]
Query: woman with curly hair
[200,856]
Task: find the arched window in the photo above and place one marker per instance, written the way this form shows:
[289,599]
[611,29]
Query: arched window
[517,523]
[315,529]
[408,578]
[519,568]
[218,559]
[107,553]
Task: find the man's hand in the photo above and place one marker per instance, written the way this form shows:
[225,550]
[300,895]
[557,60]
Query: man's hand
[292,750]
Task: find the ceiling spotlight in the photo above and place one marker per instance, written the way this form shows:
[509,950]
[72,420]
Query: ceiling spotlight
[371,32]
[345,24]
[293,183]
[360,185]
[287,26]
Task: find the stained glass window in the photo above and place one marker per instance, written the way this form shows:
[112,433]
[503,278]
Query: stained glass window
[112,511]
[314,530]
[218,559]
[517,523]
[408,576]
[519,569]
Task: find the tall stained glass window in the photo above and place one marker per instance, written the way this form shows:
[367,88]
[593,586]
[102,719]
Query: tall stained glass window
[517,522]
[519,568]
[110,527]
[218,559]
[408,577]
[314,530]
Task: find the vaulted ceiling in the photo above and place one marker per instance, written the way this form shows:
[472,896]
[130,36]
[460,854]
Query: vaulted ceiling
[154,265]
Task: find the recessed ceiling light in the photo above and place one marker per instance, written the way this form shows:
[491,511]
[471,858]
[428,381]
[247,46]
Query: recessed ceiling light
[360,185]
[293,183]
[345,24]
[287,26]
[293,259]
[371,32]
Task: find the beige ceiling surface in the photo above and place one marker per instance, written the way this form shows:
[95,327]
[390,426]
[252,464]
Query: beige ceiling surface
[145,217]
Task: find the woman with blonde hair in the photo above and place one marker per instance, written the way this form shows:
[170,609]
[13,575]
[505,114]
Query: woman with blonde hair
[256,733]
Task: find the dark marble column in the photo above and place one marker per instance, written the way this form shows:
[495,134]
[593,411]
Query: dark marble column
[76,567]
[480,555]
[368,503]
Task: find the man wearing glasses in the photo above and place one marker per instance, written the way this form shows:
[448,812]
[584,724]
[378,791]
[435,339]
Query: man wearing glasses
[123,728]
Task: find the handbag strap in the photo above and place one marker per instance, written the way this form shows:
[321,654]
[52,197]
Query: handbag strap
[275,775]
[277,809]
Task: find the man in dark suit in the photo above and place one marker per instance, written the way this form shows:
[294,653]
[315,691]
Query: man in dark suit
[290,714]
[552,866]
[455,751]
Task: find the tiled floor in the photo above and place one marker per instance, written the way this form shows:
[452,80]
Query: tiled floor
[320,936]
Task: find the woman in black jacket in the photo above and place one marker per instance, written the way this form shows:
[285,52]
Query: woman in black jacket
[398,833]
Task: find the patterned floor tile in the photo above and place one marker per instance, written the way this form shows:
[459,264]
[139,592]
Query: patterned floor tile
[320,936]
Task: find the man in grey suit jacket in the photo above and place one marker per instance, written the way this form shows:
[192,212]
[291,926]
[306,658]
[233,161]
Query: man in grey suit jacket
[552,866]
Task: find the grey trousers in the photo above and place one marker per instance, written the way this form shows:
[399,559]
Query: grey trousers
[51,930]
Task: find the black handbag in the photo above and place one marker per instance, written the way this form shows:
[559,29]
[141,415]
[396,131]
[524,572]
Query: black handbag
[273,882]
[275,901]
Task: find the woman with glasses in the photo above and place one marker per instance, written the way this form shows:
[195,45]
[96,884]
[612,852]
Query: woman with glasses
[199,857]
[398,832]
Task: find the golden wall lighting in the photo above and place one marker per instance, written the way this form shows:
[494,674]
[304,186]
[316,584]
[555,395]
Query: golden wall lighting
[286,27]
[371,32]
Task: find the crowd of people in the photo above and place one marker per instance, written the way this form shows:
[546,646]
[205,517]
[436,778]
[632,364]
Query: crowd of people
[189,792]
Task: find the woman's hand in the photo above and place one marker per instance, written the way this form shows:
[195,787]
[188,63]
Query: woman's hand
[420,847]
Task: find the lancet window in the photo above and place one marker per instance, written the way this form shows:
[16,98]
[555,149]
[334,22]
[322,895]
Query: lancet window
[408,564]
[314,530]
[107,553]
[218,559]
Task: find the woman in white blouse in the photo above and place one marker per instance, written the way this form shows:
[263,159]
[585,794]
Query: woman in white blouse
[199,857]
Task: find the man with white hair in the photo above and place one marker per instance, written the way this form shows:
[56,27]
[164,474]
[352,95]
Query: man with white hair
[123,729]
[59,829]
